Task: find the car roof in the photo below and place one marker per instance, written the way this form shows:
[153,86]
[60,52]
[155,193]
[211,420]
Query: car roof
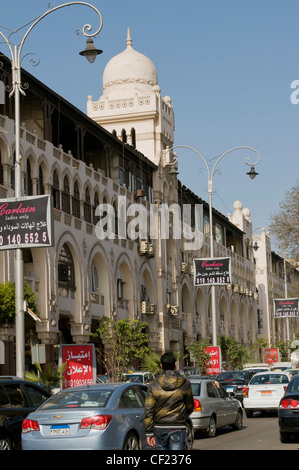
[272,372]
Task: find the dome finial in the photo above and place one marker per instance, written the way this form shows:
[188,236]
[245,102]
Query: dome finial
[129,40]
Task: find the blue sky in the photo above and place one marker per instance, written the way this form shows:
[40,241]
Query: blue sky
[227,65]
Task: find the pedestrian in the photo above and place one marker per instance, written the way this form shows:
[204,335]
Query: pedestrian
[168,403]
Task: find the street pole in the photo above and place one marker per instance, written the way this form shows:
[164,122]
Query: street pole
[15,51]
[252,175]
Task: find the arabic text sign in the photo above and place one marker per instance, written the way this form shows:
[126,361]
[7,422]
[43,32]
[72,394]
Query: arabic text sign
[212,271]
[81,364]
[271,355]
[284,308]
[26,222]
[215,360]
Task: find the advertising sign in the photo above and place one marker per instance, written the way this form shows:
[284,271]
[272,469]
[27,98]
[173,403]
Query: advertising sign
[271,355]
[81,364]
[212,271]
[215,361]
[26,222]
[285,308]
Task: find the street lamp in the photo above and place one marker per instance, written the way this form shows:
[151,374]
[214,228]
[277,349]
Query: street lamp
[252,173]
[16,89]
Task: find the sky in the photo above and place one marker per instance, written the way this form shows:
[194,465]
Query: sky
[227,65]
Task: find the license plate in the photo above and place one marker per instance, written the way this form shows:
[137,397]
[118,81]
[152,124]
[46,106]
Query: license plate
[266,393]
[229,389]
[59,430]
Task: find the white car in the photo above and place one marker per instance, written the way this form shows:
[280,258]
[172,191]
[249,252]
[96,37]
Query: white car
[264,392]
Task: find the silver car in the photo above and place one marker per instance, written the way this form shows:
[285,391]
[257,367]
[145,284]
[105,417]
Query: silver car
[214,407]
[100,417]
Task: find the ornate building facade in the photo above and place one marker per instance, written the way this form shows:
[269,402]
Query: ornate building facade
[115,159]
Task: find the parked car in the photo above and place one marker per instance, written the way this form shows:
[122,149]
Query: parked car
[288,411]
[264,392]
[107,416]
[17,399]
[214,407]
[235,381]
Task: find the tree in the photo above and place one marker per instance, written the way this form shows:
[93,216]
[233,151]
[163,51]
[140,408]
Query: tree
[124,341]
[52,377]
[285,223]
[151,362]
[7,302]
[233,353]
[200,354]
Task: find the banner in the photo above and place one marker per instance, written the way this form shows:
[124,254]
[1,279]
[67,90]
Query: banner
[214,364]
[212,271]
[26,222]
[271,355]
[286,308]
[81,364]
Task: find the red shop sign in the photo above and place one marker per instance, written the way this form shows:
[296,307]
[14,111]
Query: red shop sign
[81,364]
[215,361]
[271,355]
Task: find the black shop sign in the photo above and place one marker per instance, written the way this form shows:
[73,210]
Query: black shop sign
[212,271]
[26,222]
[286,308]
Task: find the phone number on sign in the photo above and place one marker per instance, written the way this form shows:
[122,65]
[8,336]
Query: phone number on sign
[26,238]
[213,280]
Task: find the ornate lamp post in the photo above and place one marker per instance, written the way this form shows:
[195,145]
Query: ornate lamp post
[252,173]
[16,89]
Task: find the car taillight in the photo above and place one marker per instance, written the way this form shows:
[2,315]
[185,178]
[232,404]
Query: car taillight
[197,405]
[99,422]
[29,425]
[246,392]
[289,403]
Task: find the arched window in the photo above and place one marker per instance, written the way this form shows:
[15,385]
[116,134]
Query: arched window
[40,183]
[66,269]
[124,136]
[76,201]
[96,202]
[66,196]
[94,281]
[28,180]
[1,170]
[133,136]
[87,206]
[56,190]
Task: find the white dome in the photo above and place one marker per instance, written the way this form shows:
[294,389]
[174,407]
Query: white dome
[129,67]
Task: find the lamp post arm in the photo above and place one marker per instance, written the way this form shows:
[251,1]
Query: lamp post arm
[85,28]
[231,150]
[194,150]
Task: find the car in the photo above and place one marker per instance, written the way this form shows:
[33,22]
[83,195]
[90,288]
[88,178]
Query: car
[264,392]
[106,416]
[214,407]
[138,377]
[235,381]
[291,372]
[17,399]
[288,411]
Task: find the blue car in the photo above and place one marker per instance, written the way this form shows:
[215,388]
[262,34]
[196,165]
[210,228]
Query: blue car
[106,416]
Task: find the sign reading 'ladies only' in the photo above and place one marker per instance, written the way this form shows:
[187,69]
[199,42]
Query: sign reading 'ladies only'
[26,222]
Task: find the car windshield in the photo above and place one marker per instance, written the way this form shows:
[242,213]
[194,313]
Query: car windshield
[78,399]
[135,378]
[269,379]
[233,375]
[195,389]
